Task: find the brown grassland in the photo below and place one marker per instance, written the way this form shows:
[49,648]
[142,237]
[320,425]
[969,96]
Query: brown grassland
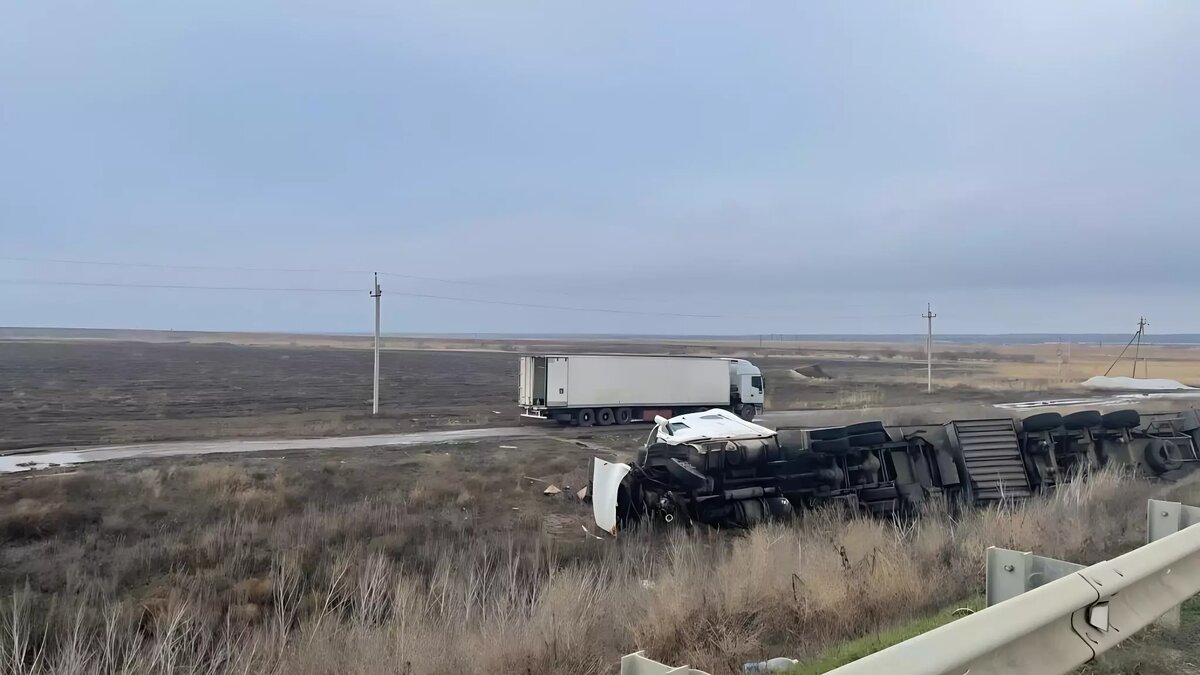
[426,562]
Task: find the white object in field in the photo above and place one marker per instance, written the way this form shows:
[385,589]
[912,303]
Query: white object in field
[779,664]
[603,381]
[710,425]
[1133,384]
[636,664]
[42,460]
[606,482]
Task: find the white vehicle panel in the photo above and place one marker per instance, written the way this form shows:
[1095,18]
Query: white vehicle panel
[609,381]
[710,425]
[606,483]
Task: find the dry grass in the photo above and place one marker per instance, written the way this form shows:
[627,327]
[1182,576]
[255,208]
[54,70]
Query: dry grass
[1177,363]
[230,567]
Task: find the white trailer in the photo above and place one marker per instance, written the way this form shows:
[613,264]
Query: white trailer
[604,389]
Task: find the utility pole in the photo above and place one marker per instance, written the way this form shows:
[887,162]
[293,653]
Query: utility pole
[1137,337]
[377,294]
[1142,323]
[928,316]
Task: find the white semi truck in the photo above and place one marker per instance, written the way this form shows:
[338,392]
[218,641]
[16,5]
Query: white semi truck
[603,389]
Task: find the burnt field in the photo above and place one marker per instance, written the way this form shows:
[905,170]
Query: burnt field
[68,393]
[83,392]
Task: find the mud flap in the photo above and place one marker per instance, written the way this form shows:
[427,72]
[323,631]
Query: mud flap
[606,483]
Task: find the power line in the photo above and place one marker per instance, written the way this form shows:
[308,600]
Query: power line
[391,274]
[105,284]
[318,270]
[35,282]
[242,268]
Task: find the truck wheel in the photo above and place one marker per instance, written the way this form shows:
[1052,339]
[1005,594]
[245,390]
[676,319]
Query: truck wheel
[1121,419]
[747,412]
[624,415]
[1084,419]
[585,417]
[1041,422]
[1163,456]
[605,417]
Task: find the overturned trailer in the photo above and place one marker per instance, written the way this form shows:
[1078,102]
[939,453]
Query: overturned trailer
[713,467]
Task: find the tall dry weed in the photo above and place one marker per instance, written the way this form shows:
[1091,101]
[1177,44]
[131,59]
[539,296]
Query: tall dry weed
[329,603]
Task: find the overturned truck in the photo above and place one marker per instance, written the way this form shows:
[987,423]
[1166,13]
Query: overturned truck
[715,468]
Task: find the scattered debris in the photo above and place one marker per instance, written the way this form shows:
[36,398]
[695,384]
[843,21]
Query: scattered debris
[536,480]
[779,664]
[497,412]
[551,490]
[811,371]
[585,531]
[508,447]
[582,494]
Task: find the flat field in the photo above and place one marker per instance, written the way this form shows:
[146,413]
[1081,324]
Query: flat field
[65,392]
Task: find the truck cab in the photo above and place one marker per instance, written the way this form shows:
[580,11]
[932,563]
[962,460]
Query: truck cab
[747,393]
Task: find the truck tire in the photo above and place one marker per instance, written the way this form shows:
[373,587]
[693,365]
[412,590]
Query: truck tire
[1163,456]
[624,415]
[829,434]
[605,417]
[868,439]
[864,428]
[585,417]
[1084,419]
[1121,419]
[831,446]
[747,412]
[1041,422]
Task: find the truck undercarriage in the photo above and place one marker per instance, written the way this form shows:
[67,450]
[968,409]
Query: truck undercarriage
[714,468]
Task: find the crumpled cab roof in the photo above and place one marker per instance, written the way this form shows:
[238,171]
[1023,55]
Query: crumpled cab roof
[710,425]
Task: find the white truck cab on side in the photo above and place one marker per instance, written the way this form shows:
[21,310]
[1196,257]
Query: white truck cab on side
[700,427]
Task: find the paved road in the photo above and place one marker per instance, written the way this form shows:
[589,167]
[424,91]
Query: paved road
[22,460]
[50,456]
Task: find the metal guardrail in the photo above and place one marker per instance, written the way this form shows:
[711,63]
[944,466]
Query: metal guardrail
[636,664]
[1044,616]
[1067,616]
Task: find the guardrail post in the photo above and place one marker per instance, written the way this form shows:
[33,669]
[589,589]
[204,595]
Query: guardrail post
[637,664]
[1164,519]
[1011,573]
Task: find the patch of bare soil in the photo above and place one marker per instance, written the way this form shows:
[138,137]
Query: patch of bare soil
[89,393]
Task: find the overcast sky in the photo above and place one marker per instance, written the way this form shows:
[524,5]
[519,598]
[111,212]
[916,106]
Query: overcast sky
[796,167]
